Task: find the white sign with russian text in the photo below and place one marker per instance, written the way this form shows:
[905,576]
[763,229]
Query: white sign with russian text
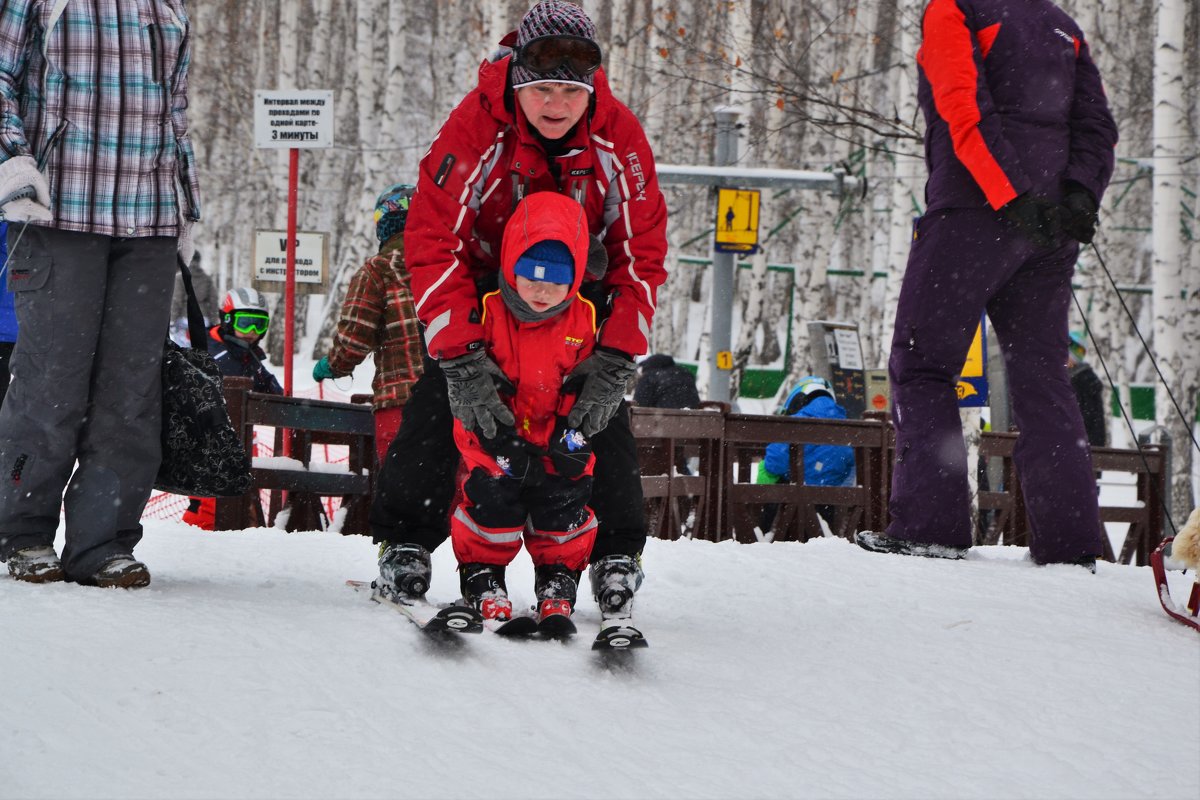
[270,256]
[293,118]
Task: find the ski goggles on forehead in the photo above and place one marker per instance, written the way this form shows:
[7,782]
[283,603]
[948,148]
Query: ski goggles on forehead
[250,322]
[545,54]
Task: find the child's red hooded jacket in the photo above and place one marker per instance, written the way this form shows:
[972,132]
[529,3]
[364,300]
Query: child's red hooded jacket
[536,356]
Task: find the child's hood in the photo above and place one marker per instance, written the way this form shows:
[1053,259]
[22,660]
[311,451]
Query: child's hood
[540,217]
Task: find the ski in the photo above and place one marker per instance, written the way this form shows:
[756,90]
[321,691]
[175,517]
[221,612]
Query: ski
[618,634]
[556,626]
[428,617]
[519,625]
[1160,562]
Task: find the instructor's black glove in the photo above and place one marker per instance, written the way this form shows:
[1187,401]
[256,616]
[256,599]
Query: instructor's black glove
[1078,212]
[600,380]
[520,459]
[570,450]
[1035,217]
[471,386]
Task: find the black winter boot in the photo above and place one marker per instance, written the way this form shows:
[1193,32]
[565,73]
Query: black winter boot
[483,589]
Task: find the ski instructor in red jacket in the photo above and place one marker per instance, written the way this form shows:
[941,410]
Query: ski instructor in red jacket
[541,119]
[1019,145]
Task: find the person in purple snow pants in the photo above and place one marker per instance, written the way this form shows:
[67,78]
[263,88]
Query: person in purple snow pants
[1019,147]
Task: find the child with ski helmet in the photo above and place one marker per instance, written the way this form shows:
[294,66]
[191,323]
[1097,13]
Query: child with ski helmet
[378,318]
[234,345]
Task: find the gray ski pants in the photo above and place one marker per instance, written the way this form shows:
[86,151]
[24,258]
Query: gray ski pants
[83,412]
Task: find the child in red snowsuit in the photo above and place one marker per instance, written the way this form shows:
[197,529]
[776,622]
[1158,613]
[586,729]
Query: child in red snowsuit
[533,480]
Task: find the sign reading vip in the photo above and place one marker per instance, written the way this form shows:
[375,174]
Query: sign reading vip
[312,258]
[737,221]
[293,118]
[972,385]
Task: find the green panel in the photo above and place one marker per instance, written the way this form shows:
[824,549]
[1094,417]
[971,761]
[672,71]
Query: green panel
[756,383]
[761,383]
[1141,398]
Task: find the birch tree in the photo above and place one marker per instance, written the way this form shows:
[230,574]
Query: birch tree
[908,166]
[1180,373]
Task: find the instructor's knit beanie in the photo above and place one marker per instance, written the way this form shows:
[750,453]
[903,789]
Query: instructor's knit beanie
[553,18]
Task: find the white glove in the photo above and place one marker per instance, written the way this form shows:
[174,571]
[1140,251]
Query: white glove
[21,174]
[185,245]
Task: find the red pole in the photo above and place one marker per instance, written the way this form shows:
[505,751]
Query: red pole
[289,296]
[290,292]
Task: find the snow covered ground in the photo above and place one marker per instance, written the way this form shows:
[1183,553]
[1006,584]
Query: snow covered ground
[247,669]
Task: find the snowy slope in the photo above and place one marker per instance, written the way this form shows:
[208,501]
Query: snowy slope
[247,669]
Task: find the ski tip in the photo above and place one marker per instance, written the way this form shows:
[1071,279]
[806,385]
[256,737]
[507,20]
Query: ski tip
[557,626]
[620,637]
[456,619]
[518,626]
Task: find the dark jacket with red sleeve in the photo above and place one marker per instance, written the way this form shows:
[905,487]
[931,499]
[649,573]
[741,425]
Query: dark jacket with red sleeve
[1013,103]
[483,161]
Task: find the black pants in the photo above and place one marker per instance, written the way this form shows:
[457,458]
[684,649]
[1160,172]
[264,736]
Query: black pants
[416,481]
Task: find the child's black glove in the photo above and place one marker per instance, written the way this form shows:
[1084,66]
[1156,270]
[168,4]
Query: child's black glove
[518,458]
[569,450]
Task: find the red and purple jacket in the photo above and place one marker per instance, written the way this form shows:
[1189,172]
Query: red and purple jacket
[484,160]
[1013,103]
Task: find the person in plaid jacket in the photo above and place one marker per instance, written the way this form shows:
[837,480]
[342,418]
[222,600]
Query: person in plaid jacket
[378,317]
[98,184]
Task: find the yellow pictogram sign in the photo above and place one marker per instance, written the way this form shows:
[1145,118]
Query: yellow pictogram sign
[972,385]
[973,368]
[737,220]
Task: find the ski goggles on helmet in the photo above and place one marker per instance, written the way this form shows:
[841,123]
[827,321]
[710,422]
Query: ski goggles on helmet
[250,322]
[545,54]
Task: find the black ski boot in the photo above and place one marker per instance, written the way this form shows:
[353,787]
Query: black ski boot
[483,589]
[614,580]
[404,572]
[556,588]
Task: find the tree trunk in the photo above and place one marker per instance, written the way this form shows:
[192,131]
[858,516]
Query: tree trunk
[1169,122]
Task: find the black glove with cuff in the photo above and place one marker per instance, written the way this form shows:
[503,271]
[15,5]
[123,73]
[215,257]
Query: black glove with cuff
[600,380]
[1078,213]
[471,386]
[519,459]
[570,450]
[1035,217]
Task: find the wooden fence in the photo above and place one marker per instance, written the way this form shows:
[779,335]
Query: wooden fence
[697,475]
[728,504]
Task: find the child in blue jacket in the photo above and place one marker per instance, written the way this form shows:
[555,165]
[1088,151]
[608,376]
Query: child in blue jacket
[824,464]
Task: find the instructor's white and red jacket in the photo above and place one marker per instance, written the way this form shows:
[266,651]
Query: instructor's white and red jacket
[1013,103]
[484,161]
[536,356]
